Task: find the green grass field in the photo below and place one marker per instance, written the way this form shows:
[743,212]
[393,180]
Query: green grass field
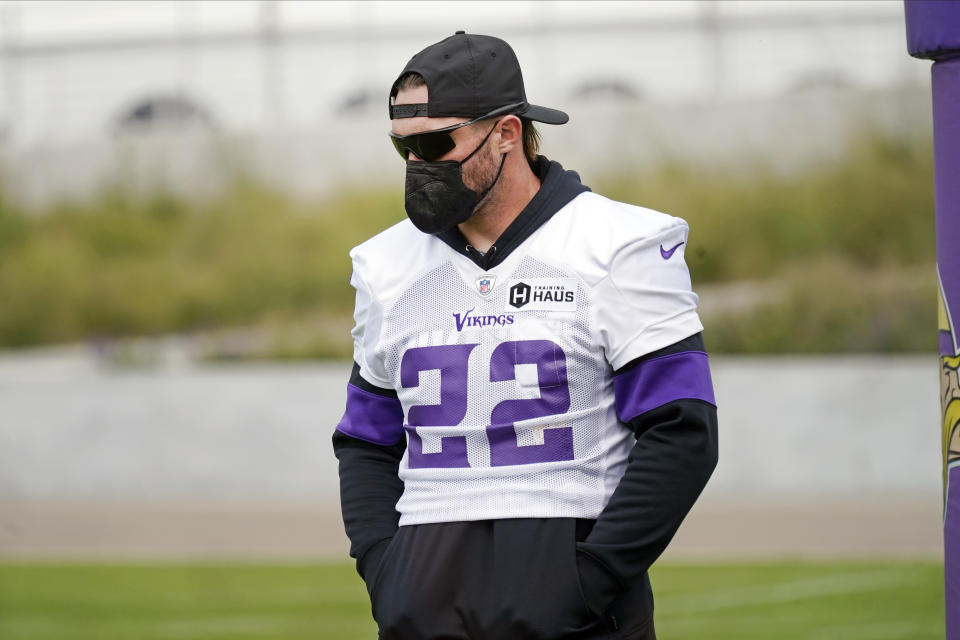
[784,600]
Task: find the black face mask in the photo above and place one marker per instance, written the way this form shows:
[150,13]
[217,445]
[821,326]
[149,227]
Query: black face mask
[436,199]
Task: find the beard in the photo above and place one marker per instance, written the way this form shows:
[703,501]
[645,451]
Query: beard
[480,172]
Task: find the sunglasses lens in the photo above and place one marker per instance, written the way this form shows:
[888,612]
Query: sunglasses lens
[426,146]
[434,145]
[401,146]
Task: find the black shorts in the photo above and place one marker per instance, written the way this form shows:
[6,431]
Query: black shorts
[495,580]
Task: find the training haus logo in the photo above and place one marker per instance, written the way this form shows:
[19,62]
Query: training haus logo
[543,294]
[519,294]
[467,320]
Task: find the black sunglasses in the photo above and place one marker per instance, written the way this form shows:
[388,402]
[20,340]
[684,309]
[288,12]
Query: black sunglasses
[431,145]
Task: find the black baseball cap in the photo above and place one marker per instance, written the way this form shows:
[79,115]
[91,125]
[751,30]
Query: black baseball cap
[469,76]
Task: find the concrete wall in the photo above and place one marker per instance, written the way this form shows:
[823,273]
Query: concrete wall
[858,426]
[818,457]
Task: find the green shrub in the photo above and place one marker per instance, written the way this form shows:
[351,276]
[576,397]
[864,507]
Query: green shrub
[128,266]
[832,306]
[873,208]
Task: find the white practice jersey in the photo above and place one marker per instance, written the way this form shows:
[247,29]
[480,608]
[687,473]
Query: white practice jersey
[505,376]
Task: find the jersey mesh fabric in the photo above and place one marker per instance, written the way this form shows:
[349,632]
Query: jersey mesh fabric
[424,316]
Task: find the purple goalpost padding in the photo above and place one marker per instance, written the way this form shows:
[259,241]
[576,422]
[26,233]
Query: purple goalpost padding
[933,32]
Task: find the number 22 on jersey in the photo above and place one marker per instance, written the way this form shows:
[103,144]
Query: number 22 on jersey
[452,361]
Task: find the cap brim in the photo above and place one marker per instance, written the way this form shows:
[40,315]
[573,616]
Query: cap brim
[545,114]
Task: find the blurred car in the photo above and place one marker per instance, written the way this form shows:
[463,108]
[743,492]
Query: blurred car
[605,89]
[361,101]
[164,111]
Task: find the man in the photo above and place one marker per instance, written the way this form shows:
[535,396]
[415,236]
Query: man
[530,414]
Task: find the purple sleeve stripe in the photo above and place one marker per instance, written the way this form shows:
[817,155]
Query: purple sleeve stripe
[372,417]
[653,383]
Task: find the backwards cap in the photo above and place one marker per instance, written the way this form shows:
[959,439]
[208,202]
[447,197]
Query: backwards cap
[470,76]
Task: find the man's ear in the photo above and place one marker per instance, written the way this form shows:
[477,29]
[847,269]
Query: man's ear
[511,134]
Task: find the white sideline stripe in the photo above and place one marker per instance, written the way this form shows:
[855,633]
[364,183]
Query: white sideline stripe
[789,591]
[184,628]
[880,631]
[235,625]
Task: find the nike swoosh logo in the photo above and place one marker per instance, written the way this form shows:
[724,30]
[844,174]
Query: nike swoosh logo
[669,252]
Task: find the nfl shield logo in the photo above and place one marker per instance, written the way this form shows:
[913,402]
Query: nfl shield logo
[485,283]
